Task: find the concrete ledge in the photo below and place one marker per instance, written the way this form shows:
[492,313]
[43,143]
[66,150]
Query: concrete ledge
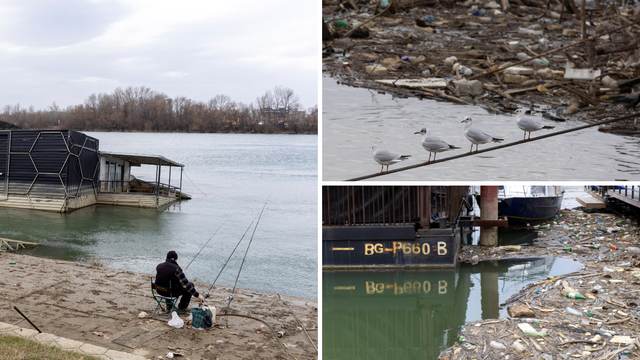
[67,344]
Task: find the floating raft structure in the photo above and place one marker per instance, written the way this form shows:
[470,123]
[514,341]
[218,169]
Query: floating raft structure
[64,170]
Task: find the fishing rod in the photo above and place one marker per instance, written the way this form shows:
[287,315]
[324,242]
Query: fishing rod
[206,296]
[245,256]
[214,234]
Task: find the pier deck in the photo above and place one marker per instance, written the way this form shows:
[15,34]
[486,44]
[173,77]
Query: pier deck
[630,195]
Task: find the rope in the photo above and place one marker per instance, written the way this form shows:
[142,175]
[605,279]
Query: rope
[194,185]
[225,264]
[245,256]
[299,323]
[497,147]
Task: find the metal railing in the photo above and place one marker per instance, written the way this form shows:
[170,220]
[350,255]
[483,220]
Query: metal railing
[633,193]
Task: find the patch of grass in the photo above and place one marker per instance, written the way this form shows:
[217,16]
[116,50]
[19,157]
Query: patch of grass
[18,348]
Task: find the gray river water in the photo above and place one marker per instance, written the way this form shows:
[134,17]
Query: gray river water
[355,119]
[230,177]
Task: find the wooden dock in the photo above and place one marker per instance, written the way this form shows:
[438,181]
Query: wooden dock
[626,195]
[16,244]
[627,198]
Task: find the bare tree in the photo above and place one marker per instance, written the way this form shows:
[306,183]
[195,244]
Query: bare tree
[142,109]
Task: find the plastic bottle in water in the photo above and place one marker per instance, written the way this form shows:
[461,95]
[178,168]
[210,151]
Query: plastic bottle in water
[530,31]
[463,70]
[573,311]
[518,346]
[497,345]
[527,320]
[536,62]
[450,60]
[543,332]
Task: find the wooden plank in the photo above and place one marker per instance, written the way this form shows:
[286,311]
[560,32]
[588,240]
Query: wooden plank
[591,203]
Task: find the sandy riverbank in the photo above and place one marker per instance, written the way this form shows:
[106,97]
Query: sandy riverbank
[100,305]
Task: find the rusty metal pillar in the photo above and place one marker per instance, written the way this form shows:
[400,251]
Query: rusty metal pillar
[489,211]
[424,205]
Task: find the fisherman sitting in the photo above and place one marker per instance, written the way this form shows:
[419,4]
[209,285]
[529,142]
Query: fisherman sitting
[169,272]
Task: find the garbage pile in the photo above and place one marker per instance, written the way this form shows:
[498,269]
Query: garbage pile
[590,314]
[593,313]
[590,238]
[530,55]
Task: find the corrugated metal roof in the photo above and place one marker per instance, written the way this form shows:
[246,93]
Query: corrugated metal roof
[137,160]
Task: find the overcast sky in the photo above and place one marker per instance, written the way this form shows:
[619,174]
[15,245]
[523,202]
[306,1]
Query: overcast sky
[62,51]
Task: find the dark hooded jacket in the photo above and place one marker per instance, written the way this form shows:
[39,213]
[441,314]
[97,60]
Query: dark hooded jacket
[169,272]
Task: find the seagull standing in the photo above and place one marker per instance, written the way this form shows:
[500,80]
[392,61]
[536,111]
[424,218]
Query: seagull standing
[528,123]
[433,144]
[475,135]
[386,157]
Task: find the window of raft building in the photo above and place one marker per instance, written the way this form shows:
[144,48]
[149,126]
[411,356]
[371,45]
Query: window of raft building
[113,177]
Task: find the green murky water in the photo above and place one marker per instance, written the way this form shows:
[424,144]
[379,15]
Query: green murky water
[416,314]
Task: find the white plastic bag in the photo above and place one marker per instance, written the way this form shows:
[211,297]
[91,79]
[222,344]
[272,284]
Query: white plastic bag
[176,321]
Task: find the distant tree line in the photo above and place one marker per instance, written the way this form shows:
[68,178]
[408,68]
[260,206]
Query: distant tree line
[142,109]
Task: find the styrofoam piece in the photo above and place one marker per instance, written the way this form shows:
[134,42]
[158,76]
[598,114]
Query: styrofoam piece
[581,74]
[518,70]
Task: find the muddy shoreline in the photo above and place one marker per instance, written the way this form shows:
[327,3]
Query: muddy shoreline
[602,324]
[101,306]
[413,41]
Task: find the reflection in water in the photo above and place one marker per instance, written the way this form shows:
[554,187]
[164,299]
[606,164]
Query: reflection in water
[410,314]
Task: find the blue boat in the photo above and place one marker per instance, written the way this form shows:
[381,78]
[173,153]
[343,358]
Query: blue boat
[529,204]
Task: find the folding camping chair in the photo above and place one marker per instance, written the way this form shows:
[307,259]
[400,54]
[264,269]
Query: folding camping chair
[169,301]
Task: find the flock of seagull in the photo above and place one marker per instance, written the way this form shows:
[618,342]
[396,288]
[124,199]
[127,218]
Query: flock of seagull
[435,145]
